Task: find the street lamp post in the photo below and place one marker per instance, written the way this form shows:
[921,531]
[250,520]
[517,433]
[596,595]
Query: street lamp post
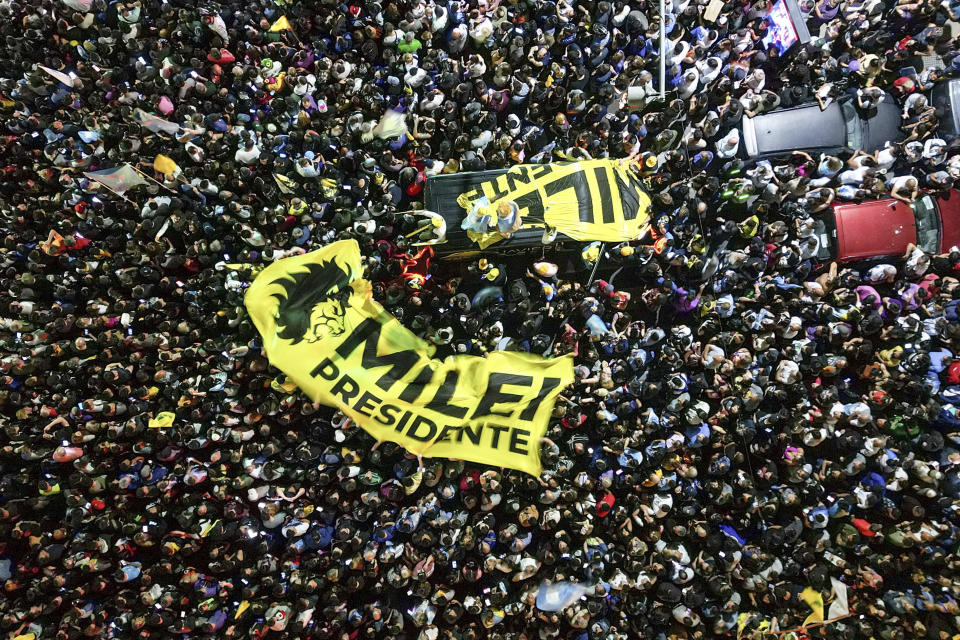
[663,50]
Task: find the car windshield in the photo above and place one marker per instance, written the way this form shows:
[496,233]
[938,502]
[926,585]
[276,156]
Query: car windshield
[852,122]
[825,229]
[945,95]
[928,224]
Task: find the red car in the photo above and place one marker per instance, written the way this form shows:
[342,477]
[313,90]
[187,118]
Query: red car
[879,228]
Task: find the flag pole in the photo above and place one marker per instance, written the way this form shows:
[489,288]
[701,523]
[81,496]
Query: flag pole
[663,51]
[296,37]
[593,272]
[175,177]
[290,29]
[809,626]
[416,232]
[115,192]
[151,178]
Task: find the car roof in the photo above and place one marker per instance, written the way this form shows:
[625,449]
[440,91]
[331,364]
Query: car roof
[874,228]
[883,127]
[803,127]
[945,96]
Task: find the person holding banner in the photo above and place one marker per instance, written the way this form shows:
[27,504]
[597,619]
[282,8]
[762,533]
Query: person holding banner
[508,218]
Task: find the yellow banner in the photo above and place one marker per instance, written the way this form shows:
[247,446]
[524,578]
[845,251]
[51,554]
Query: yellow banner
[588,200]
[281,24]
[815,600]
[322,328]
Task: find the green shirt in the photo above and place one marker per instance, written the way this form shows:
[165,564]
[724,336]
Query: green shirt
[409,47]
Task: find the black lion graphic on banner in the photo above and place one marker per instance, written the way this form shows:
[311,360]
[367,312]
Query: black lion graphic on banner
[313,302]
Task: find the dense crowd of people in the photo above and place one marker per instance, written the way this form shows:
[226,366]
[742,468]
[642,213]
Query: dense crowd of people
[749,420]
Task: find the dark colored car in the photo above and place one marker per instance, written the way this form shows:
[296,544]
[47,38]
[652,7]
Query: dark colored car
[945,97]
[440,196]
[879,228]
[807,128]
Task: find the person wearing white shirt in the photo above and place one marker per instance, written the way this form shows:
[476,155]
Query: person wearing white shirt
[415,77]
[900,184]
[341,69]
[305,84]
[480,30]
[432,101]
[481,141]
[953,166]
[689,84]
[854,176]
[438,16]
[392,36]
[887,157]
[205,186]
[935,151]
[248,154]
[457,40]
[306,168]
[476,66]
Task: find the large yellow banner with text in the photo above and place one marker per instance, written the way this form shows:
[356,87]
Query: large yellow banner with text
[586,200]
[322,328]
